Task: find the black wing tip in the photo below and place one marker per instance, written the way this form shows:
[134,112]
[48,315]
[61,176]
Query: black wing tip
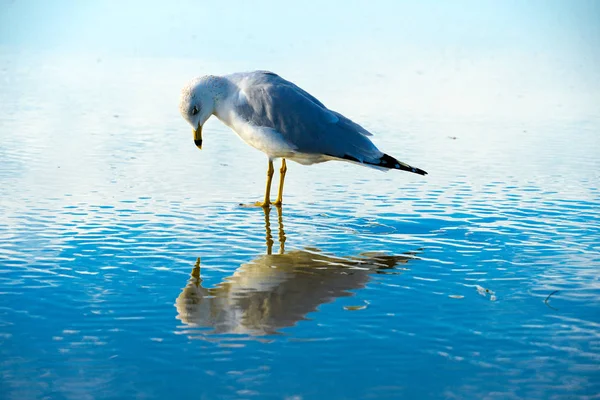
[386,161]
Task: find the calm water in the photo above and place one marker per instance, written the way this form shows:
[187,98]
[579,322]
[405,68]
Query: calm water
[377,285]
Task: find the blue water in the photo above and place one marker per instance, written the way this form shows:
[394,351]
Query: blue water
[480,280]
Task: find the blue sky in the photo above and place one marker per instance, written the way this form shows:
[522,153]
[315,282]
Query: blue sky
[187,29]
[547,51]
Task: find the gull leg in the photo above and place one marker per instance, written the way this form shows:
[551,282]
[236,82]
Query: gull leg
[267,201]
[268,235]
[281,231]
[282,172]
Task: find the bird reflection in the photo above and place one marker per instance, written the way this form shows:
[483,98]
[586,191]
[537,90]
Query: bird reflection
[274,291]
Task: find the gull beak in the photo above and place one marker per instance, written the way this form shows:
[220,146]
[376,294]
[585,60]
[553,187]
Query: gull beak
[198,137]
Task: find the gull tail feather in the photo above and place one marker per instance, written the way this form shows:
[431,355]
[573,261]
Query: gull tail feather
[388,162]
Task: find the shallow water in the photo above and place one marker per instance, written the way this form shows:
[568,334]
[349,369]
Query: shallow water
[477,281]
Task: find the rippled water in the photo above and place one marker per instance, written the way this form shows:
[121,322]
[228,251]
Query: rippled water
[365,284]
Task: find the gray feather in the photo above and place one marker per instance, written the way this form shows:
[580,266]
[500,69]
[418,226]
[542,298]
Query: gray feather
[302,120]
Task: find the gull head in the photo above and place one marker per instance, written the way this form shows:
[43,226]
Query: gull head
[197,103]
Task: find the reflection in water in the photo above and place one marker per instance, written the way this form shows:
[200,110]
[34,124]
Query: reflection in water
[276,291]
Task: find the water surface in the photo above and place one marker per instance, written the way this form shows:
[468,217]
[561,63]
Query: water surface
[364,285]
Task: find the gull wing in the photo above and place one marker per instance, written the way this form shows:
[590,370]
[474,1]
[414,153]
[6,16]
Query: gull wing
[269,101]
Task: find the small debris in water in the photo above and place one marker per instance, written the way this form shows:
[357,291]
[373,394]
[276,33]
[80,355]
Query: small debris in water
[548,298]
[355,308]
[484,292]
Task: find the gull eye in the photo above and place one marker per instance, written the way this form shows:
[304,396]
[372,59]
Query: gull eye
[194,110]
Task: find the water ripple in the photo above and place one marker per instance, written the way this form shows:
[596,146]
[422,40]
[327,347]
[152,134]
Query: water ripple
[385,278]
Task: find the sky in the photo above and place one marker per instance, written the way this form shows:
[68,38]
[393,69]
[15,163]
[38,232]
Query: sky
[249,29]
[545,51]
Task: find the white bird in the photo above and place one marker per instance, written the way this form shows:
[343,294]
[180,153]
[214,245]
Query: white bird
[283,121]
[276,291]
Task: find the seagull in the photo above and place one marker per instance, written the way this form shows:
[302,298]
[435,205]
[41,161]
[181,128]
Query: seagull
[283,121]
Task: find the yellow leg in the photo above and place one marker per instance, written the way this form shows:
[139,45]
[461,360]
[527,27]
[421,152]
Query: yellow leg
[268,235]
[281,231]
[267,201]
[282,172]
